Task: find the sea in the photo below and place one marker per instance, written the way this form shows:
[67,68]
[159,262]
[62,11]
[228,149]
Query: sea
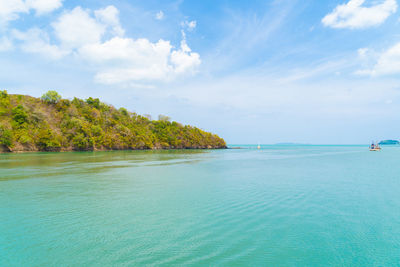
[281,205]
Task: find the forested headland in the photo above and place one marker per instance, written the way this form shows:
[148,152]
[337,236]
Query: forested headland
[51,123]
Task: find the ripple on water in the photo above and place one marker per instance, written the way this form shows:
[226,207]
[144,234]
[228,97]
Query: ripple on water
[290,206]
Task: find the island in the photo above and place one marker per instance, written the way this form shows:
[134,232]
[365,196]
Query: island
[51,123]
[389,142]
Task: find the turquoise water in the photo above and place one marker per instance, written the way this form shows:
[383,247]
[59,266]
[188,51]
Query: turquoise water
[278,206]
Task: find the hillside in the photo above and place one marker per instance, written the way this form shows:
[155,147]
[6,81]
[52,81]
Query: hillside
[54,124]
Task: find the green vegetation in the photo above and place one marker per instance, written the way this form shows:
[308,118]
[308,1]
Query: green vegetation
[54,124]
[51,97]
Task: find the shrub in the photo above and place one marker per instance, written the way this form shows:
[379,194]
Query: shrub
[78,102]
[124,111]
[3,94]
[63,104]
[94,102]
[25,139]
[96,130]
[47,140]
[80,142]
[6,136]
[19,114]
[4,102]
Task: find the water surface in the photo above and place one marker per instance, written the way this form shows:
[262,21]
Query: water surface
[278,206]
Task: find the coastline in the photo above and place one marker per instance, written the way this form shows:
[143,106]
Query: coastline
[6,150]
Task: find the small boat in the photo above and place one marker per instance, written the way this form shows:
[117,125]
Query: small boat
[375,147]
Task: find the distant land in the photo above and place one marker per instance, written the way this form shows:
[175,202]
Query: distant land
[51,123]
[289,144]
[389,142]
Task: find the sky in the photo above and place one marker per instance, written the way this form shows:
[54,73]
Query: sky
[301,71]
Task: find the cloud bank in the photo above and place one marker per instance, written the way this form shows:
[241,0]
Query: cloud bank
[97,37]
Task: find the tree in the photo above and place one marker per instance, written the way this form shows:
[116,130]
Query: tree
[51,97]
[47,140]
[95,102]
[4,102]
[147,116]
[80,141]
[163,118]
[6,136]
[124,111]
[19,114]
[3,94]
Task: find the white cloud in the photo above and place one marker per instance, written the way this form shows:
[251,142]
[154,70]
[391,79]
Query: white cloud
[124,59]
[110,16]
[121,59]
[160,15]
[127,49]
[10,9]
[388,62]
[184,60]
[190,25]
[98,38]
[363,52]
[354,15]
[38,42]
[77,28]
[44,6]
[5,44]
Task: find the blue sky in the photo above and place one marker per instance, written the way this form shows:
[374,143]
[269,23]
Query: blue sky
[251,71]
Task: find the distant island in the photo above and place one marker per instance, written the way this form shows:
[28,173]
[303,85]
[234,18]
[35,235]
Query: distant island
[389,142]
[289,144]
[51,123]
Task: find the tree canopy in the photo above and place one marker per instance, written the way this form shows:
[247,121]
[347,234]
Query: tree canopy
[51,97]
[54,124]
